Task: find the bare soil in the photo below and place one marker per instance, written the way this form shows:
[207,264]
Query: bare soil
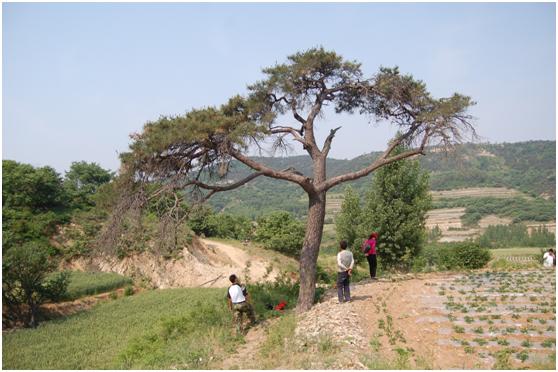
[205,263]
[421,321]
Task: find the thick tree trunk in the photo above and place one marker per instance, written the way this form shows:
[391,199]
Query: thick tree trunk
[310,250]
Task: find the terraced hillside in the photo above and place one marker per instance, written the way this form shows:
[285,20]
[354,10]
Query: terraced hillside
[474,186]
[523,170]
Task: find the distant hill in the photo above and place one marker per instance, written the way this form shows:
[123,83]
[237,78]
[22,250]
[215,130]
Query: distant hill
[529,167]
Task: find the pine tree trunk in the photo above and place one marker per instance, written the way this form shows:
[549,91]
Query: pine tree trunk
[310,250]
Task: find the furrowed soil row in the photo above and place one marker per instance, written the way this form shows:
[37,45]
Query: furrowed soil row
[481,320]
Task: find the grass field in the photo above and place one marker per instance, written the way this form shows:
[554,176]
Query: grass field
[162,329]
[520,251]
[92,283]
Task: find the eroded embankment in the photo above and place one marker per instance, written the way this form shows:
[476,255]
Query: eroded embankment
[205,263]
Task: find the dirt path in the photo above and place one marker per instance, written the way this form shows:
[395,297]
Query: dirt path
[246,355]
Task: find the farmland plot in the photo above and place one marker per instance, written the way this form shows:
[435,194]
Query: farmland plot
[482,320]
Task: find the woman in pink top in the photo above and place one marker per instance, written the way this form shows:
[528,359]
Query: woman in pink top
[371,253]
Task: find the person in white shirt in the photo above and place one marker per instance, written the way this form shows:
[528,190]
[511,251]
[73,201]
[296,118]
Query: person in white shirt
[345,263]
[237,300]
[548,258]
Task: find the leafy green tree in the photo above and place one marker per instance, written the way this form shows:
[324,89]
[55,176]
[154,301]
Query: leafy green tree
[348,219]
[195,150]
[25,285]
[233,227]
[82,181]
[201,221]
[33,189]
[33,203]
[396,207]
[281,232]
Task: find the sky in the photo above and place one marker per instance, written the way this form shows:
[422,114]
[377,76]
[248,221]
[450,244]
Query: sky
[78,79]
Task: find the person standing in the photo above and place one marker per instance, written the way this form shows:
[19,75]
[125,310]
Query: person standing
[369,249]
[345,263]
[549,258]
[237,300]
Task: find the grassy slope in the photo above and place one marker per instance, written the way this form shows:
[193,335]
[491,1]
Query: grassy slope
[520,251]
[148,330]
[91,283]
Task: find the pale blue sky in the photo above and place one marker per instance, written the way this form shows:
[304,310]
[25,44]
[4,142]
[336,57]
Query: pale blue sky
[79,78]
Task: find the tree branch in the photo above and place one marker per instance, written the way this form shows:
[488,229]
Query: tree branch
[301,180]
[289,130]
[328,140]
[217,188]
[298,118]
[384,159]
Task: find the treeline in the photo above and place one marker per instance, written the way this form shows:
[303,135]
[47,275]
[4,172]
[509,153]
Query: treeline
[278,230]
[516,235]
[36,203]
[517,208]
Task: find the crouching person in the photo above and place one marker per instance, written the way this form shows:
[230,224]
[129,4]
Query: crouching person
[237,298]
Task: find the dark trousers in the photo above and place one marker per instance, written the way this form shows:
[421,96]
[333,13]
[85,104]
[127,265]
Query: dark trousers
[343,290]
[373,263]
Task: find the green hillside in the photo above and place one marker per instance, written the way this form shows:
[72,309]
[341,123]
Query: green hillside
[526,166]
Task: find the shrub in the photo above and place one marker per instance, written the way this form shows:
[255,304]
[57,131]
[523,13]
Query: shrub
[128,291]
[452,256]
[25,284]
[281,232]
[265,296]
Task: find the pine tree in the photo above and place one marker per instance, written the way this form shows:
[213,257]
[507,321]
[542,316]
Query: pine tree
[395,208]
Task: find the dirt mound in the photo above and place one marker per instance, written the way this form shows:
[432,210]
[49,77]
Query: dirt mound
[330,319]
[205,263]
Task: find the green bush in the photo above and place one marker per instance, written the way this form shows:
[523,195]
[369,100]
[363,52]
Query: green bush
[265,296]
[128,291]
[204,221]
[281,232]
[452,256]
[25,285]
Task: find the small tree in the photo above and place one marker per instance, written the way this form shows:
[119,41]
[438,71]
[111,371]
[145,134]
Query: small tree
[25,285]
[346,222]
[434,234]
[82,181]
[281,232]
[396,207]
[195,150]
